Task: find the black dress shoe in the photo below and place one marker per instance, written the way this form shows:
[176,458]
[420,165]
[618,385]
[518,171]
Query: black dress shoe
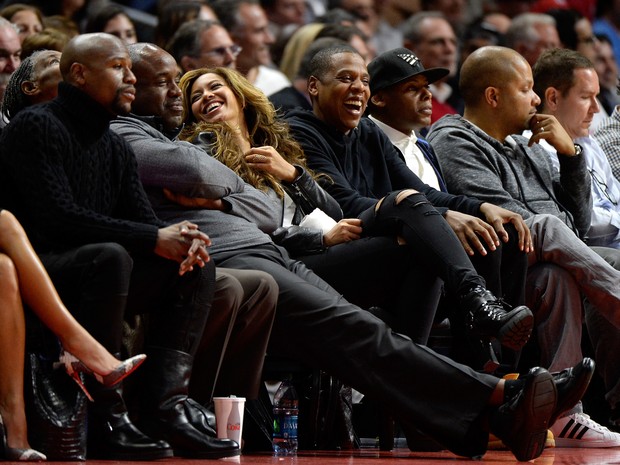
[522,422]
[489,317]
[119,439]
[188,441]
[571,385]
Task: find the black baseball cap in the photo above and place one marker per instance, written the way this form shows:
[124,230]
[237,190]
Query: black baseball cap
[396,65]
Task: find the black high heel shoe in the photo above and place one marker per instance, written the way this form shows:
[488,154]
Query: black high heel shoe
[17,455]
[75,366]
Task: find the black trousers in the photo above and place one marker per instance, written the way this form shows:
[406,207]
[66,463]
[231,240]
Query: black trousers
[102,283]
[378,272]
[317,326]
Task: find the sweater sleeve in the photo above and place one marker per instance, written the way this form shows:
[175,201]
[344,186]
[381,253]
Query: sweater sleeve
[574,190]
[187,169]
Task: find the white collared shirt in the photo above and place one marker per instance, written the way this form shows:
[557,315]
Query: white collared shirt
[414,158]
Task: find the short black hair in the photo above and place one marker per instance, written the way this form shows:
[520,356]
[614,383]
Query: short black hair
[322,62]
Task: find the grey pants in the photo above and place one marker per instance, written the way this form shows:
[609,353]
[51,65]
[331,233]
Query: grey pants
[563,270]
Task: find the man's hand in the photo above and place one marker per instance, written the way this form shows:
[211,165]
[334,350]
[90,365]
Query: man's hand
[346,230]
[549,128]
[470,230]
[185,244]
[194,202]
[498,216]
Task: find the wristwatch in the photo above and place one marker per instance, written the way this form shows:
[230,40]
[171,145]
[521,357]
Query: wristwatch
[578,149]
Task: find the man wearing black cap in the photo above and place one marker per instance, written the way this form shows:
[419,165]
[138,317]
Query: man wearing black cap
[365,170]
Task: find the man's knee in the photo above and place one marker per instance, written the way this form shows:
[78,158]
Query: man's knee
[611,256]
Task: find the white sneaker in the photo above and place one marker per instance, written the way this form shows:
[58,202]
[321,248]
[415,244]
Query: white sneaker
[578,430]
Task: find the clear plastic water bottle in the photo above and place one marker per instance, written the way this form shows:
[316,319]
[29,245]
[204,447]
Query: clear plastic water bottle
[285,415]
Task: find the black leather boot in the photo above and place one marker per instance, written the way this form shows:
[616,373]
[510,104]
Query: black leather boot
[486,316]
[112,435]
[171,415]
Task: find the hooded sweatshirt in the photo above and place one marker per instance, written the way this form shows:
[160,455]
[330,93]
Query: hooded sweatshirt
[511,174]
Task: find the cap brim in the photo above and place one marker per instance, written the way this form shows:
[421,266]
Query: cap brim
[431,75]
[434,74]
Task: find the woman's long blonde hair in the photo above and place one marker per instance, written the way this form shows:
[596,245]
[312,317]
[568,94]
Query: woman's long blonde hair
[262,125]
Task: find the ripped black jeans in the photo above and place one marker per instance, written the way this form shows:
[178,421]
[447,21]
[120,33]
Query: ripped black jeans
[429,238]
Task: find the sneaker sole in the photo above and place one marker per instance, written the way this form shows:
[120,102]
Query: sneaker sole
[539,401]
[517,330]
[583,444]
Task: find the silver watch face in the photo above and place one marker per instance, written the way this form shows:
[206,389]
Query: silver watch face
[578,149]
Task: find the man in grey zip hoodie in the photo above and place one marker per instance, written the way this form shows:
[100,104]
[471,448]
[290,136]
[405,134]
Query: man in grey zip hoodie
[481,156]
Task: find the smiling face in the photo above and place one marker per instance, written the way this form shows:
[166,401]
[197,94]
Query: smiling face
[340,98]
[577,107]
[157,89]
[212,100]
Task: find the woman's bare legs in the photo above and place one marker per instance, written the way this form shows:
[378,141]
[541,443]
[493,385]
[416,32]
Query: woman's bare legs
[38,292]
[12,337]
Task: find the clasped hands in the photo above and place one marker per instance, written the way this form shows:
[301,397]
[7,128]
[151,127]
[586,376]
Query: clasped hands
[184,243]
[473,232]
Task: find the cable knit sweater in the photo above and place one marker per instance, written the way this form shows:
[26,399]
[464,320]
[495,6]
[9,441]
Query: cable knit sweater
[70,180]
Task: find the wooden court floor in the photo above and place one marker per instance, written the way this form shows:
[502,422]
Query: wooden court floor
[396,457]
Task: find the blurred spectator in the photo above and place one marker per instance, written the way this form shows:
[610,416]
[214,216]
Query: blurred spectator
[499,21]
[351,35]
[203,43]
[113,20]
[575,32]
[430,36]
[10,53]
[364,10]
[62,24]
[247,24]
[27,18]
[607,70]
[339,16]
[392,14]
[510,8]
[173,14]
[478,34]
[285,17]
[284,12]
[530,34]
[296,48]
[455,11]
[47,39]
[608,23]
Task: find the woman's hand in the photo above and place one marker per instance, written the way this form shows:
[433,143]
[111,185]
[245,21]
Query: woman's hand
[346,230]
[268,159]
